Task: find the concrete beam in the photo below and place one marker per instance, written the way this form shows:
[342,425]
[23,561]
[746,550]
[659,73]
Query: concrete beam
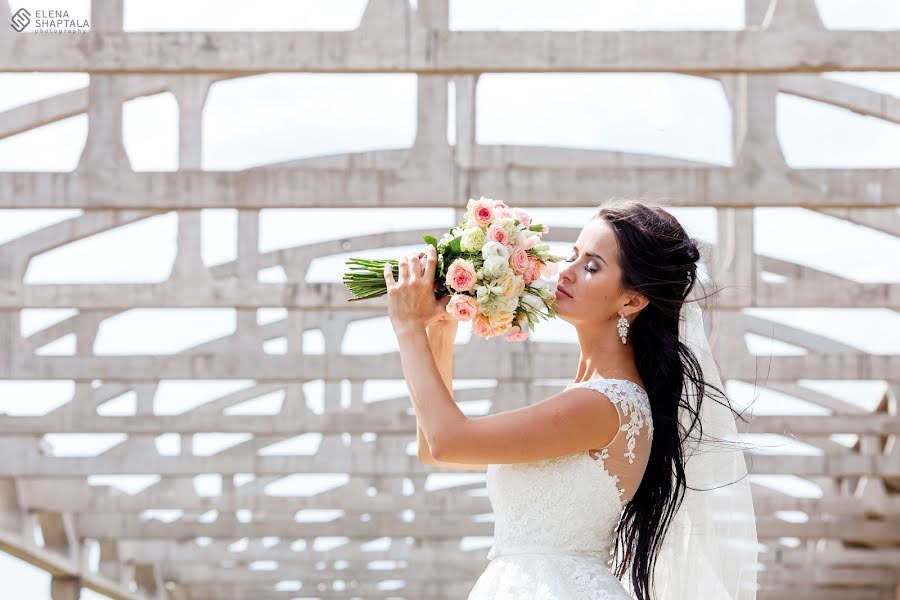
[64,568]
[305,187]
[400,48]
[323,588]
[134,461]
[855,529]
[51,494]
[333,296]
[480,361]
[378,422]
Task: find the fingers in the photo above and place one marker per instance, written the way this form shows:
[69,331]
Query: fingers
[418,272]
[430,263]
[410,267]
[403,269]
[389,275]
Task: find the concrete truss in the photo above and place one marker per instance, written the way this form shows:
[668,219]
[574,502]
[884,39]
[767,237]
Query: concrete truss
[244,542]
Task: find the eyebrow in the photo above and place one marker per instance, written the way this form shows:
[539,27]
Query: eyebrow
[574,247]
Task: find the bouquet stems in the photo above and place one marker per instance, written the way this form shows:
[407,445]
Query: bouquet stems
[366,278]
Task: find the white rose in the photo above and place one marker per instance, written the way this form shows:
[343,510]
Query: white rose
[510,226]
[472,240]
[495,267]
[494,249]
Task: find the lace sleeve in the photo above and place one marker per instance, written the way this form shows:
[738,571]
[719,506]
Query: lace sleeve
[633,407]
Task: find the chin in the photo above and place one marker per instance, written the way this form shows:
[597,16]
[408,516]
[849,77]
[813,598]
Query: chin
[560,313]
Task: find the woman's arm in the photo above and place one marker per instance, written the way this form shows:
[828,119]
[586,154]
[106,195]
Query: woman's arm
[441,338]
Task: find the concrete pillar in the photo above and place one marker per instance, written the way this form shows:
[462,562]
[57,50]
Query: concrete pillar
[65,588]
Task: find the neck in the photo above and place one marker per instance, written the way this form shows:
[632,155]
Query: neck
[603,356]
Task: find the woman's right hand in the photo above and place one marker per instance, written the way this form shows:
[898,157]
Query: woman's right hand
[441,318]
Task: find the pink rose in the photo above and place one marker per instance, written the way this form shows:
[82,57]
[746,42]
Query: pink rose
[536,269]
[518,260]
[483,211]
[530,242]
[533,271]
[522,216]
[516,334]
[500,204]
[462,307]
[481,326]
[495,233]
[461,275]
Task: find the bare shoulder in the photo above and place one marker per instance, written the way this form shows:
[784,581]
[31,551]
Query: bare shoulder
[594,405]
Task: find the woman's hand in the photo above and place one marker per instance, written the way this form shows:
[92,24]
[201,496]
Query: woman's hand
[411,301]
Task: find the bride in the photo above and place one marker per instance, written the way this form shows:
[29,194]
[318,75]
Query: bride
[629,483]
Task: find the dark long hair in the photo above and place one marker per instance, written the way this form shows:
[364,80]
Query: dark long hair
[659,261]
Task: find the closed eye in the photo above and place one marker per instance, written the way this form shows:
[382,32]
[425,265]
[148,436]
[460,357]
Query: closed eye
[589,270]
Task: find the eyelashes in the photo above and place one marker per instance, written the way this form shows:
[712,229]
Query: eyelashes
[586,268]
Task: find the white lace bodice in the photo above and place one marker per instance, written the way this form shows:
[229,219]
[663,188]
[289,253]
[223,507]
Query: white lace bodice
[571,504]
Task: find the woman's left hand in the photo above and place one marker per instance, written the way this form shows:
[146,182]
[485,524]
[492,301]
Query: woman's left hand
[411,301]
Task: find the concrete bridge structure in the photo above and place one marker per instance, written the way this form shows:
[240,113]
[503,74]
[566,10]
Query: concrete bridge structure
[847,546]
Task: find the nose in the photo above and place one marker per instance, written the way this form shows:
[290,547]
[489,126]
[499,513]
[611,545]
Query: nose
[565,273]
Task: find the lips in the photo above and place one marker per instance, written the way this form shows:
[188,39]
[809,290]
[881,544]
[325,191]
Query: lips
[563,290]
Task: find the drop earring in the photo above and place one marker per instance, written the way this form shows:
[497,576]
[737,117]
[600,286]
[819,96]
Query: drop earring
[623,327]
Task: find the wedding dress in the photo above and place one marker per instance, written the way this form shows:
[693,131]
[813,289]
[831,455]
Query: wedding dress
[555,519]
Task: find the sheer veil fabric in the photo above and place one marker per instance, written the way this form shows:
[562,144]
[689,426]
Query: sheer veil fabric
[710,549]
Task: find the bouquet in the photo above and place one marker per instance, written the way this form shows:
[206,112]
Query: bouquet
[490,263]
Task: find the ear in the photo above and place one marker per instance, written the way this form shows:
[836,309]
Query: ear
[636,303]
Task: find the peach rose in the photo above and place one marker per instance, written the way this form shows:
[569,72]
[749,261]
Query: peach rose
[520,287]
[481,326]
[501,321]
[536,267]
[509,281]
[461,275]
[462,307]
[518,260]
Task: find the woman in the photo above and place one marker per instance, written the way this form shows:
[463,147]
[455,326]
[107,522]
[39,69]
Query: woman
[586,483]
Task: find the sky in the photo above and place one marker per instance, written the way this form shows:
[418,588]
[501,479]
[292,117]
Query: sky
[299,115]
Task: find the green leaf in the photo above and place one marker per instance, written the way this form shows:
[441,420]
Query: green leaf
[430,240]
[455,245]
